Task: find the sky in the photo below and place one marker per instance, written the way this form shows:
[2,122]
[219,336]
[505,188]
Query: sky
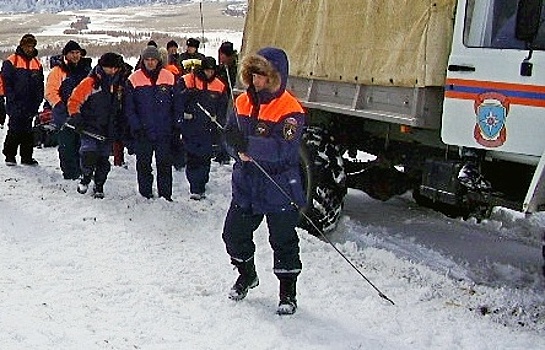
[126,272]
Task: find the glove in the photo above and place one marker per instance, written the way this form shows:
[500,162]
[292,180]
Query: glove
[76,121]
[236,139]
[60,114]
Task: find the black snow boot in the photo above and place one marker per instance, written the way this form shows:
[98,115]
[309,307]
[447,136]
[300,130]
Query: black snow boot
[288,302]
[246,280]
[98,191]
[84,184]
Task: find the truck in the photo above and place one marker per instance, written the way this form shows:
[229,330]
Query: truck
[448,95]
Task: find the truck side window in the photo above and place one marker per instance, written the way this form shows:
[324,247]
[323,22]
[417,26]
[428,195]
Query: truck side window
[491,24]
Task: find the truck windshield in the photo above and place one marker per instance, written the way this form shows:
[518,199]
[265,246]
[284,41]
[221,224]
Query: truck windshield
[491,24]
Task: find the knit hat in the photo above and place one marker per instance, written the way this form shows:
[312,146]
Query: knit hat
[227,48]
[28,39]
[152,43]
[172,43]
[151,52]
[208,63]
[192,42]
[111,59]
[71,45]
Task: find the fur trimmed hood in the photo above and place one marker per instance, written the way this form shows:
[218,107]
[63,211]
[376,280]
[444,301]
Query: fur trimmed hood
[269,61]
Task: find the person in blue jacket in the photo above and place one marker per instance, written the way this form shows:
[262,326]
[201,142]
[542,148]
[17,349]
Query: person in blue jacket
[23,78]
[266,130]
[153,107]
[67,71]
[95,106]
[205,98]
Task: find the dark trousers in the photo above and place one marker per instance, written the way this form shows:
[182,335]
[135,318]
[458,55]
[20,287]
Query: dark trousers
[95,159]
[197,171]
[144,150]
[19,139]
[178,154]
[220,152]
[2,110]
[119,153]
[239,228]
[69,144]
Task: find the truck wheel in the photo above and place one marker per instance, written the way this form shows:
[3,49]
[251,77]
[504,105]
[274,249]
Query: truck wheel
[324,179]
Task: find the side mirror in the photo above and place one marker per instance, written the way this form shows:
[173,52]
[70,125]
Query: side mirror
[528,19]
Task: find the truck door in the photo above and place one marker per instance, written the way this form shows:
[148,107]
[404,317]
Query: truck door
[495,86]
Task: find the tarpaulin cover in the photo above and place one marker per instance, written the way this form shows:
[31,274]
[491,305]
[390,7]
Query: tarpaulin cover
[375,42]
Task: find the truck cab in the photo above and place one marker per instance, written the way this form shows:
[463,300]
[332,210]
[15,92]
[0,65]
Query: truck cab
[495,92]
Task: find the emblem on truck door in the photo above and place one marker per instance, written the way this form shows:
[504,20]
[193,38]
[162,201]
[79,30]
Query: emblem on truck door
[491,109]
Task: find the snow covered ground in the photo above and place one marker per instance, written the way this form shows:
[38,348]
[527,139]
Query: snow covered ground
[129,273]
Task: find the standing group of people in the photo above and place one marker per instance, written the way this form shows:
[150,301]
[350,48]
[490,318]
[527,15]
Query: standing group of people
[158,106]
[172,106]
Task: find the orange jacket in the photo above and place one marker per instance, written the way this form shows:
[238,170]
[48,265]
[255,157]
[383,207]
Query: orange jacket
[173,69]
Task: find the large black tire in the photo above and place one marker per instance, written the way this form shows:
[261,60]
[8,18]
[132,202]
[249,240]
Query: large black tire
[324,179]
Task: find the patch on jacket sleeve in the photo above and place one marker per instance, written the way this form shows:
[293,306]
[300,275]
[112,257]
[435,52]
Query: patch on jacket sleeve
[290,129]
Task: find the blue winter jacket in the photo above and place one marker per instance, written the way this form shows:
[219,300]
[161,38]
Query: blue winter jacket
[97,101]
[273,124]
[197,127]
[153,104]
[24,89]
[61,81]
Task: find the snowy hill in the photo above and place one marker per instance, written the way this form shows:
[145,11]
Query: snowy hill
[62,5]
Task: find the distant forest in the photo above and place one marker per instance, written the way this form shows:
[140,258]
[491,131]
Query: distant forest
[125,48]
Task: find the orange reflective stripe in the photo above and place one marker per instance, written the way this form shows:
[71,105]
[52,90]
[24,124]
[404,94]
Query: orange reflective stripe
[138,78]
[79,95]
[53,85]
[274,111]
[191,81]
[243,105]
[216,85]
[173,69]
[21,63]
[2,92]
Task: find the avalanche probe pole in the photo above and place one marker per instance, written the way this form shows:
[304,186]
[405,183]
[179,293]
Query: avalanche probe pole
[85,132]
[231,86]
[300,210]
[288,197]
[202,25]
[209,115]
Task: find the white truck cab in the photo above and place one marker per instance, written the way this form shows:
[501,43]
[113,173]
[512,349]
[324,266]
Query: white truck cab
[495,84]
